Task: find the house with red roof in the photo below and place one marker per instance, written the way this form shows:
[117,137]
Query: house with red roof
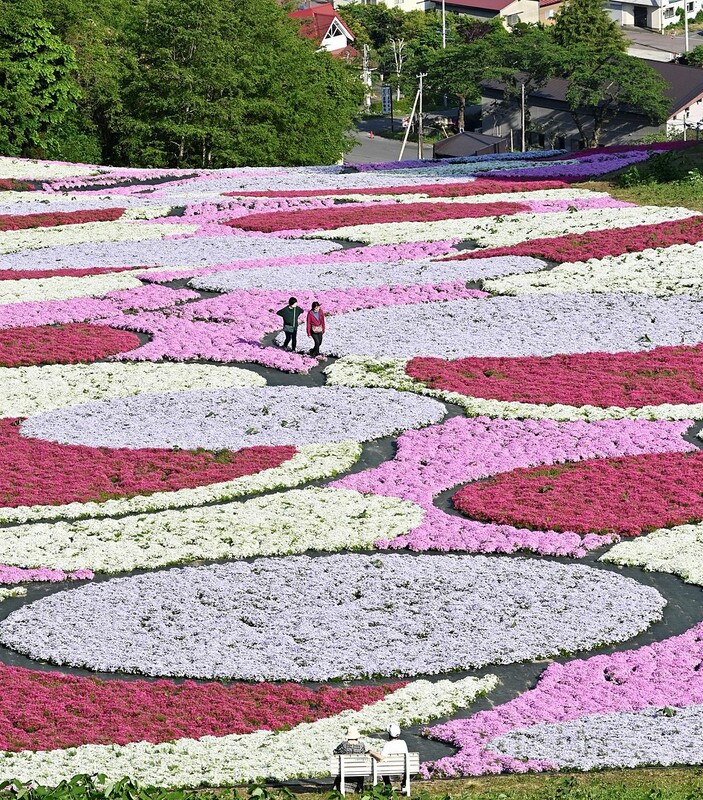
[510,11]
[323,25]
[548,10]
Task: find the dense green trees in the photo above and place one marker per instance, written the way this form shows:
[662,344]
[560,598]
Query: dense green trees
[179,83]
[37,86]
[215,83]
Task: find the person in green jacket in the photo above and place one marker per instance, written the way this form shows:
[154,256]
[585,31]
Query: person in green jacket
[291,316]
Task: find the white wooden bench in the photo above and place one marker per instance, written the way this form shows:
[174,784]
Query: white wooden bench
[364,766]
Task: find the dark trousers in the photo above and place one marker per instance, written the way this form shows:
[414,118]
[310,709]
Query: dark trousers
[291,337]
[317,339]
[358,781]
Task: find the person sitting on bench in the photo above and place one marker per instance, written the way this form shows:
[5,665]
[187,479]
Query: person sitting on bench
[353,745]
[394,746]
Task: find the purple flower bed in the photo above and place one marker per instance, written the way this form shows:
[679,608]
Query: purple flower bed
[340,616]
[662,674]
[215,419]
[539,325]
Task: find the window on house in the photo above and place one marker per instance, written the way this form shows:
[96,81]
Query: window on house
[689,7]
[551,13]
[513,19]
[668,13]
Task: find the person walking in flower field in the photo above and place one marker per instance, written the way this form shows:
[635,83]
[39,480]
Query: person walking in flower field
[291,317]
[316,327]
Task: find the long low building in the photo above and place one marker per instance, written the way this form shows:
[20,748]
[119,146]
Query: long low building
[553,126]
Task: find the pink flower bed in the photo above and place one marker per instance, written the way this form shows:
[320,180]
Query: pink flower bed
[12,185]
[75,343]
[598,244]
[230,327]
[47,711]
[626,496]
[17,222]
[37,472]
[81,309]
[11,575]
[663,674]
[663,375]
[465,189]
[338,217]
[432,460]
[29,274]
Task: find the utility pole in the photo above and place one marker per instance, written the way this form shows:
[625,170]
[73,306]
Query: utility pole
[444,25]
[522,116]
[366,77]
[419,118]
[685,24]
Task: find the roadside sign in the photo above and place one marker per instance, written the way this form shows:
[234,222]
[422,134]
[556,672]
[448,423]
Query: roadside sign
[386,99]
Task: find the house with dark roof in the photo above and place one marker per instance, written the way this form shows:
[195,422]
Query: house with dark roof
[469,143]
[553,126]
[510,11]
[323,25]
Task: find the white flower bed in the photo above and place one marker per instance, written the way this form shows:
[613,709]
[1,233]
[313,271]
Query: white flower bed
[280,524]
[389,373]
[677,550]
[311,462]
[236,418]
[507,230]
[303,751]
[661,737]
[342,616]
[31,390]
[661,272]
[540,325]
[318,277]
[31,290]
[92,232]
[201,251]
[26,169]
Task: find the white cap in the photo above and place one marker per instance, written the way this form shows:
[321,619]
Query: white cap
[394,730]
[352,732]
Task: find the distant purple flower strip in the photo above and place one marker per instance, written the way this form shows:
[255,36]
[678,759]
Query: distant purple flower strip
[461,450]
[666,673]
[384,166]
[586,168]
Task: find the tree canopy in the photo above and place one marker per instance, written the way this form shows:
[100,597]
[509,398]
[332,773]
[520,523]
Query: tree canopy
[179,83]
[37,86]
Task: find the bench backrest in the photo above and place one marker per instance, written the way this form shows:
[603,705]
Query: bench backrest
[362,766]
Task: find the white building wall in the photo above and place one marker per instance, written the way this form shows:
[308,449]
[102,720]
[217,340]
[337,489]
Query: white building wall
[691,116]
[338,42]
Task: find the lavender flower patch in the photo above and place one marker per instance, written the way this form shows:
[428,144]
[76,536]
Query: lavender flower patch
[655,736]
[318,277]
[345,616]
[236,418]
[198,250]
[518,326]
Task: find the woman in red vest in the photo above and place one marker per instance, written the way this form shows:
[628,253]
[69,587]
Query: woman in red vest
[316,327]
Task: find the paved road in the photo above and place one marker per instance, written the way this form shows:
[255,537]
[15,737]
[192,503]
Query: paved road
[660,44]
[368,150]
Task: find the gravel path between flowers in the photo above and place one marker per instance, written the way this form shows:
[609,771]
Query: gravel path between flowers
[683,609]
